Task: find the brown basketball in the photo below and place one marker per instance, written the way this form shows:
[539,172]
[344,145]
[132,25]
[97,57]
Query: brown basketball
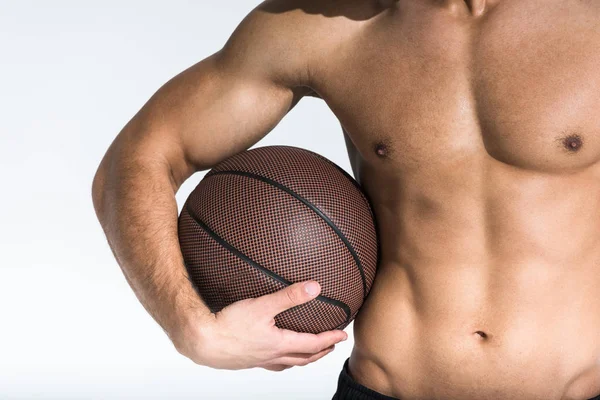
[271,216]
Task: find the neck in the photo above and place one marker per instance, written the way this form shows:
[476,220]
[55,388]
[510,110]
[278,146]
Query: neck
[477,7]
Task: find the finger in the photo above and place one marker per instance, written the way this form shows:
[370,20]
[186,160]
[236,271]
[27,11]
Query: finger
[291,296]
[295,342]
[301,359]
[306,355]
[277,367]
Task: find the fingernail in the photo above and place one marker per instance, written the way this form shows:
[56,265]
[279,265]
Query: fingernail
[311,288]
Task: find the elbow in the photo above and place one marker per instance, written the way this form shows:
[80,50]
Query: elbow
[98,191]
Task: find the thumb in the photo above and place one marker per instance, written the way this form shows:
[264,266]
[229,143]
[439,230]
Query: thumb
[291,296]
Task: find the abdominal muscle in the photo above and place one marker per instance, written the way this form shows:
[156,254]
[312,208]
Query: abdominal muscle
[450,316]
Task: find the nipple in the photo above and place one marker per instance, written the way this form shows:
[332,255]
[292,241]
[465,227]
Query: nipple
[381,149]
[572,142]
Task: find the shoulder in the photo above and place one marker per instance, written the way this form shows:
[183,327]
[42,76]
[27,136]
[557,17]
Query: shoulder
[289,39]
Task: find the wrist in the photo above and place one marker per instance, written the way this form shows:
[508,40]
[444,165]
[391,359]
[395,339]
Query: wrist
[186,310]
[192,333]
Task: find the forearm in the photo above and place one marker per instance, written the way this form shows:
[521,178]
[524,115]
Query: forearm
[134,198]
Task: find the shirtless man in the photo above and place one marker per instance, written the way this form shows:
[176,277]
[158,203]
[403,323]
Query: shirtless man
[474,127]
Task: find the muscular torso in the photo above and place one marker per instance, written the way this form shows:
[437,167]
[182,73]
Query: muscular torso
[475,130]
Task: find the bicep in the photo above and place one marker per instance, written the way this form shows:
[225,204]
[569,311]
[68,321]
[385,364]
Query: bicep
[210,112]
[227,102]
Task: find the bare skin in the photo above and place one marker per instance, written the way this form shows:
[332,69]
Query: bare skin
[473,126]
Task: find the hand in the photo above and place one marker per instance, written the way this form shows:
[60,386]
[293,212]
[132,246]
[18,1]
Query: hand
[243,334]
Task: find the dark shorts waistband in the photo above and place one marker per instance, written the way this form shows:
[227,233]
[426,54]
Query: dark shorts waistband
[349,389]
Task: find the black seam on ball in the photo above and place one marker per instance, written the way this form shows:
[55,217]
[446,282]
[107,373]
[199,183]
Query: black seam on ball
[314,208]
[259,267]
[355,183]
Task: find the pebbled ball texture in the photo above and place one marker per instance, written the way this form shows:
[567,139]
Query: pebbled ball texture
[275,215]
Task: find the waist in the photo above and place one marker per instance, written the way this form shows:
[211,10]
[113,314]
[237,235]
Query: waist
[468,331]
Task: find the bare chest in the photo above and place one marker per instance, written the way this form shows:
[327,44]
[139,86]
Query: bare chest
[427,82]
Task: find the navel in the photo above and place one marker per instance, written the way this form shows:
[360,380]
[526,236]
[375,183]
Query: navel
[482,334]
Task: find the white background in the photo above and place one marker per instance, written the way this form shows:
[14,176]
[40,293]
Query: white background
[72,73]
